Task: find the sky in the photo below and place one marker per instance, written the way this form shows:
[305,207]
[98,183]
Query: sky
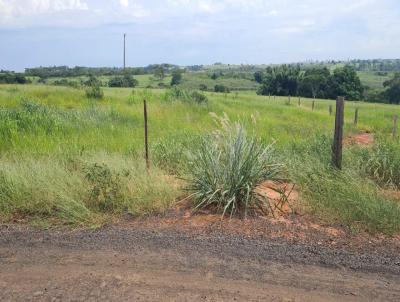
[188,32]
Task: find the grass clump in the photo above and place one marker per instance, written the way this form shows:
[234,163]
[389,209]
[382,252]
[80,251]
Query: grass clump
[178,94]
[382,163]
[227,167]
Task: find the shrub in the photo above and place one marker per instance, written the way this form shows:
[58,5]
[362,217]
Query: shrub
[105,186]
[199,97]
[176,77]
[92,81]
[203,87]
[94,92]
[65,82]
[221,88]
[13,78]
[226,169]
[123,81]
[178,94]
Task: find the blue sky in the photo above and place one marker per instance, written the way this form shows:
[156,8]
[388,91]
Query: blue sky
[186,32]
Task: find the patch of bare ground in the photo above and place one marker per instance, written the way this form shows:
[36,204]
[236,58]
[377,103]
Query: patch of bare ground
[363,139]
[186,256]
[290,221]
[392,194]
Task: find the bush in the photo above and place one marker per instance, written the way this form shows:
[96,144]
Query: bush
[65,82]
[13,78]
[105,187]
[178,94]
[176,77]
[203,87]
[199,97]
[226,169]
[221,88]
[92,81]
[123,81]
[94,92]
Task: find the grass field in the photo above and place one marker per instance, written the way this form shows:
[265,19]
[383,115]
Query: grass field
[66,159]
[372,80]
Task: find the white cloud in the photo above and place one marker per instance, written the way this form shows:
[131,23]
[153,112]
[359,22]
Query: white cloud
[14,12]
[124,3]
[373,21]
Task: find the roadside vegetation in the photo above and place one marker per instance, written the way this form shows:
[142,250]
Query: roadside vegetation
[67,158]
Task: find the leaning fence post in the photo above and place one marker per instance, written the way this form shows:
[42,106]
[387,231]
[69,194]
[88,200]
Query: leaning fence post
[356,117]
[146,133]
[395,124]
[330,110]
[338,136]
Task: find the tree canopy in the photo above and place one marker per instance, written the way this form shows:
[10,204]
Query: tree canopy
[392,92]
[314,82]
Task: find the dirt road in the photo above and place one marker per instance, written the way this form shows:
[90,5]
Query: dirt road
[124,264]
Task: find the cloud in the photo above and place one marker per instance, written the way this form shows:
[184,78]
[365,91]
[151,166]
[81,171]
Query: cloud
[124,3]
[16,12]
[199,31]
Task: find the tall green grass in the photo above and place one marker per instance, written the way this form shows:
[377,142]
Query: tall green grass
[84,190]
[78,161]
[348,197]
[382,163]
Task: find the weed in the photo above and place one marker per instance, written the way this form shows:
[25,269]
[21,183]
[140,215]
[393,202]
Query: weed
[227,168]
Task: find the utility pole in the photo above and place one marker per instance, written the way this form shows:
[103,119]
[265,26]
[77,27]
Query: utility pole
[124,51]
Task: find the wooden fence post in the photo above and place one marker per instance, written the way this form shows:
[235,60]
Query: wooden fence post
[330,110]
[313,105]
[395,125]
[146,135]
[299,101]
[338,136]
[356,117]
[289,99]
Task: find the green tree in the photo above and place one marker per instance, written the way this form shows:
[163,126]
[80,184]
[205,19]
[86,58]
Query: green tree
[123,81]
[345,82]
[314,83]
[392,92]
[92,81]
[281,80]
[258,76]
[176,77]
[221,88]
[159,73]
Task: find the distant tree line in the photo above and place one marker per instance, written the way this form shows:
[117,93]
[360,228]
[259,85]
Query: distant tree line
[317,82]
[7,77]
[378,65]
[65,71]
[390,93]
